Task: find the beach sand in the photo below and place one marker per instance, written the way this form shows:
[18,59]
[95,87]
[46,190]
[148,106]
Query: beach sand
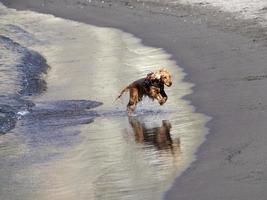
[226,59]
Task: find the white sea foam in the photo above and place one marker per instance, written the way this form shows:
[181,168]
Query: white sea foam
[23,112]
[246,9]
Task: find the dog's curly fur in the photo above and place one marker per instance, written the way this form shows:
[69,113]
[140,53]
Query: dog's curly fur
[155,90]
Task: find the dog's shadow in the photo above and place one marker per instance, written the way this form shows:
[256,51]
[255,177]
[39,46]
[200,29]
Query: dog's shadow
[158,137]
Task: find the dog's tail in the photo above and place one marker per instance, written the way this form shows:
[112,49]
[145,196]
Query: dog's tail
[122,92]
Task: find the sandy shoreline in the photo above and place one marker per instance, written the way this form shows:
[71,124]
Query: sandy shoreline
[229,70]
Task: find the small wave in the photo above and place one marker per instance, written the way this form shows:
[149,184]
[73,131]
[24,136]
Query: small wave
[21,77]
[31,65]
[19,33]
[7,118]
[63,113]
[138,112]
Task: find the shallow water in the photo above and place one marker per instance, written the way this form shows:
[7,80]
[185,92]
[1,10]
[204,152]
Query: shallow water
[74,141]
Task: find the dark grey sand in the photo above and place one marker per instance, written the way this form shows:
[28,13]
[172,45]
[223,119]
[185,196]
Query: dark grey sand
[226,59]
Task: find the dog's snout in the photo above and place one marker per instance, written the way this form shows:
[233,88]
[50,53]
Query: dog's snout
[170,84]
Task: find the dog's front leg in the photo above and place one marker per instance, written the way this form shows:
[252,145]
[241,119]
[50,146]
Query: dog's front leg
[164,95]
[155,93]
[160,99]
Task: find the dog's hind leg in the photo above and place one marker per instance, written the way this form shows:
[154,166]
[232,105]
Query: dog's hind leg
[134,98]
[131,107]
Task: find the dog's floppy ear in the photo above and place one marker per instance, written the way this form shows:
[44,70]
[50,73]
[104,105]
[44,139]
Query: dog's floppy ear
[154,75]
[157,75]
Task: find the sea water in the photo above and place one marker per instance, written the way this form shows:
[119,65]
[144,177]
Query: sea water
[68,138]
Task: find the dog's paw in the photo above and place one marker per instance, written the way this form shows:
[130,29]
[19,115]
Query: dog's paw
[162,101]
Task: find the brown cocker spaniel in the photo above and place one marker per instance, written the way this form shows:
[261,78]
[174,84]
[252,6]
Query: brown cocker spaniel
[152,86]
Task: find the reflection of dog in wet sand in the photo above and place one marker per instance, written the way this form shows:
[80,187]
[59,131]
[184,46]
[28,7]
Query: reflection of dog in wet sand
[158,136]
[152,86]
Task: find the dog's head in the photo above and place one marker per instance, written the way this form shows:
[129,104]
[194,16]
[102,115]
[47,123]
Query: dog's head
[164,76]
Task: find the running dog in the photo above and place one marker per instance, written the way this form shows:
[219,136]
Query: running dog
[152,86]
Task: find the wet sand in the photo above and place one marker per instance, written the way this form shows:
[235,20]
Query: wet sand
[226,59]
